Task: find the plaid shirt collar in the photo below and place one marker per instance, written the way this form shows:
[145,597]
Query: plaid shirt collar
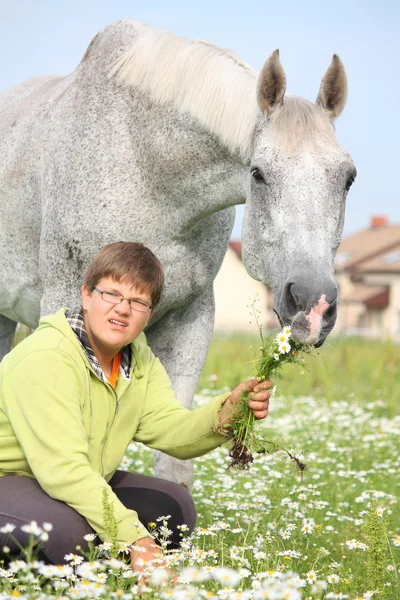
[74,317]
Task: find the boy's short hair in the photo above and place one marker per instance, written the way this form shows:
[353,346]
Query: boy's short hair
[128,261]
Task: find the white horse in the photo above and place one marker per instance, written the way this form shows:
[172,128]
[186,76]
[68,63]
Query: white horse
[154,138]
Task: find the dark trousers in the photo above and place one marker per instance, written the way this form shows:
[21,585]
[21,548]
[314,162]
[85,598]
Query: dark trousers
[22,500]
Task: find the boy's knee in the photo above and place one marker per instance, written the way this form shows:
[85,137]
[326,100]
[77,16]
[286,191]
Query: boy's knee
[64,539]
[184,498]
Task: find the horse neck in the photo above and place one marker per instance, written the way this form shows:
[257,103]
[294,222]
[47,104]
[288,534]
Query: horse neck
[211,83]
[194,159]
[192,169]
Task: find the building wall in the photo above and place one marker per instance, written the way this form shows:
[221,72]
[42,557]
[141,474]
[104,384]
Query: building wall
[391,314]
[350,315]
[345,318]
[350,318]
[375,322]
[234,290]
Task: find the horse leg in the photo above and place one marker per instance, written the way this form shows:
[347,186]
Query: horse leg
[181,340]
[7,330]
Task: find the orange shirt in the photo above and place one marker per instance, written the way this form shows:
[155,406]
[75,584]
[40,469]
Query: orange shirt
[113,378]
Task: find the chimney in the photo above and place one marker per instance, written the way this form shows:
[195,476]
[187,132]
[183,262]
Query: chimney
[379,221]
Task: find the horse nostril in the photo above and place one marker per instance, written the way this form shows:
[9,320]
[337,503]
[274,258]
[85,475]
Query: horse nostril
[294,292]
[292,301]
[303,293]
[331,311]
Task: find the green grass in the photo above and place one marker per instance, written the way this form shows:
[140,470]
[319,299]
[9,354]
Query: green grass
[342,368]
[342,416]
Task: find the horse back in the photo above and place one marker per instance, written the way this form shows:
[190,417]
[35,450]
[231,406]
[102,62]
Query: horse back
[23,108]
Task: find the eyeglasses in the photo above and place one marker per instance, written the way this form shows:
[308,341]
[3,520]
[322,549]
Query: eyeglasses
[112,298]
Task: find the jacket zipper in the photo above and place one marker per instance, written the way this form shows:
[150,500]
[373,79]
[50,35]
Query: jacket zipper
[108,428]
[116,401]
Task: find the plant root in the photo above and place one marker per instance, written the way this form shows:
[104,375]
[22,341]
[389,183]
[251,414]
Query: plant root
[240,456]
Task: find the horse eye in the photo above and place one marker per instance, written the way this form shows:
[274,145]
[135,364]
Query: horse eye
[350,181]
[257,175]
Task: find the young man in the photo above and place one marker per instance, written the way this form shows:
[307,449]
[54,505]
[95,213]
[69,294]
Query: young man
[76,392]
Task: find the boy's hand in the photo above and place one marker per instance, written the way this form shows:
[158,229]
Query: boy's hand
[258,400]
[143,553]
[146,554]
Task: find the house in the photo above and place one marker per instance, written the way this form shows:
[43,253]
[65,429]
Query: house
[367,270]
[234,292]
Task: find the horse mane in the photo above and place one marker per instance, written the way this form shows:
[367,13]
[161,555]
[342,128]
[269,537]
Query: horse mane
[211,83]
[299,123]
[217,88]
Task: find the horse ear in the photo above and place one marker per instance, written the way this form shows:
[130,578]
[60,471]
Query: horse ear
[271,84]
[333,91]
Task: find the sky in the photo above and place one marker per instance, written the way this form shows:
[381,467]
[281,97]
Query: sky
[41,37]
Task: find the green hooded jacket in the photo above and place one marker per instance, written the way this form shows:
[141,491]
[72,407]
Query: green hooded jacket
[61,424]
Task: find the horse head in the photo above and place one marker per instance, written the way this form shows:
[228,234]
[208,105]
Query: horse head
[294,213]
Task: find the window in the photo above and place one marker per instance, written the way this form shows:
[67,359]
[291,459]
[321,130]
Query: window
[343,257]
[389,259]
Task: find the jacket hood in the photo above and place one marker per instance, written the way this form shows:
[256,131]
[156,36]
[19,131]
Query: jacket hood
[59,322]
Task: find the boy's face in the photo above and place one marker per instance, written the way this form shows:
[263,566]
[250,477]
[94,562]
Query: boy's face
[113,326]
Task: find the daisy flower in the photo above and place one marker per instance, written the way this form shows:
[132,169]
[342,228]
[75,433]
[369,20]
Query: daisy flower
[284,347]
[311,576]
[7,528]
[33,528]
[307,529]
[226,576]
[281,338]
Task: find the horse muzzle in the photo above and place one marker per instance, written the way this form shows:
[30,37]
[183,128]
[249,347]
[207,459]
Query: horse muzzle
[310,312]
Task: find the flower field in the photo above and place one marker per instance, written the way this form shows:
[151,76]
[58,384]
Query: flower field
[272,532]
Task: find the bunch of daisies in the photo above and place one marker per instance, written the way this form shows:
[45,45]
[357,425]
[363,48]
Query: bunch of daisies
[274,353]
